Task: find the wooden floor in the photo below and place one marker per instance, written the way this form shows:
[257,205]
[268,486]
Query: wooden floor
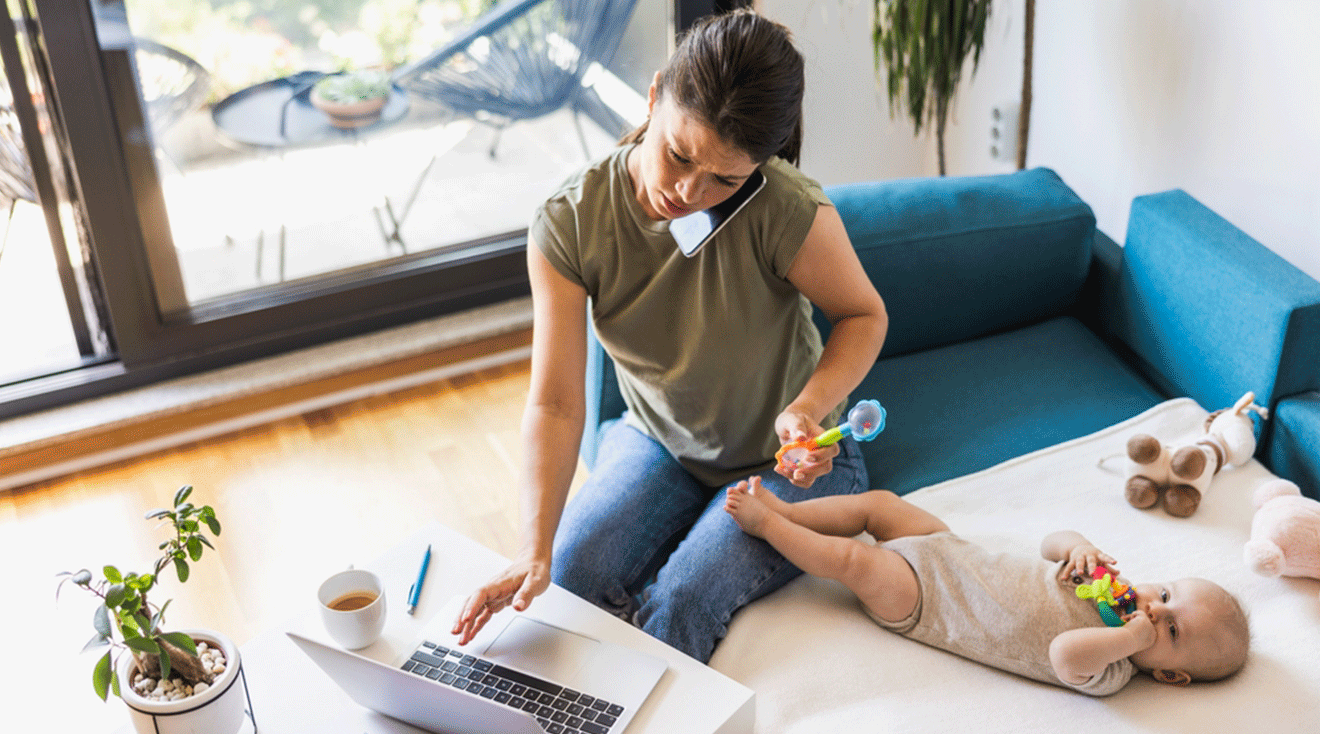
[298,500]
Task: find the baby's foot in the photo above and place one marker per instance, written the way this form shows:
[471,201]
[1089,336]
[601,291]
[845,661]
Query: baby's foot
[749,505]
[771,500]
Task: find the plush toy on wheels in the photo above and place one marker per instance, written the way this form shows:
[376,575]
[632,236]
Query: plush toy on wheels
[1179,476]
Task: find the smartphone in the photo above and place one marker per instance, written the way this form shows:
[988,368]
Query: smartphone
[693,231]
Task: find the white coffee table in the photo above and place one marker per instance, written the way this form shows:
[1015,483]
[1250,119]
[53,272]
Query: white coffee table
[290,694]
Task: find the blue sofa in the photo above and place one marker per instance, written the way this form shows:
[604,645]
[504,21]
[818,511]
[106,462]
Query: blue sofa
[1015,324]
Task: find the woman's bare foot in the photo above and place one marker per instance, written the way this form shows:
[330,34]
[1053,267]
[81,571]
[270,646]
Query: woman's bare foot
[750,504]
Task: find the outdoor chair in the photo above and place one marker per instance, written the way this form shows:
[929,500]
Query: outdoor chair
[520,60]
[15,170]
[173,84]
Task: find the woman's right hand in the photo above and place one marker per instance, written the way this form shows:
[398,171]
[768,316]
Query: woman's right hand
[516,586]
[793,425]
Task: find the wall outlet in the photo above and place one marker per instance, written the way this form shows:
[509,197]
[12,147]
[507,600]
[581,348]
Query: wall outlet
[1004,131]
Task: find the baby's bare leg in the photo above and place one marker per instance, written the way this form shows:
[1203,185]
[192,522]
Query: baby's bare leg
[880,578]
[882,514]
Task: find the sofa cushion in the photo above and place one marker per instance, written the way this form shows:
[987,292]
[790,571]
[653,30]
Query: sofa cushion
[967,406]
[960,257]
[1210,312]
[1294,439]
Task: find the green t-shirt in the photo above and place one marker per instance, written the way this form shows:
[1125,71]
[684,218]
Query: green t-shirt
[709,349]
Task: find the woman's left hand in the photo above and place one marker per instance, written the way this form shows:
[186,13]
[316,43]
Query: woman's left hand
[794,426]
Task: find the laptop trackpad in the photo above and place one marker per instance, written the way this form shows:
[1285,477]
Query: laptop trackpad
[541,649]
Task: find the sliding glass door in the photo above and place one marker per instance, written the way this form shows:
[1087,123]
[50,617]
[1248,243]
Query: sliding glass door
[50,318]
[200,208]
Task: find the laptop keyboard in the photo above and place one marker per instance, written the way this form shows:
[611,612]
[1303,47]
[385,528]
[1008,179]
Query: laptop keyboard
[557,709]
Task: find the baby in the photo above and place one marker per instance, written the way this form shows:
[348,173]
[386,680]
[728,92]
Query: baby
[1011,612]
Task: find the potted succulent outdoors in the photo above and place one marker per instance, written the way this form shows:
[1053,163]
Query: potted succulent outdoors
[179,681]
[352,99]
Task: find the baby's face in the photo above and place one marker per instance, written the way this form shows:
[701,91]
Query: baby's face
[1188,617]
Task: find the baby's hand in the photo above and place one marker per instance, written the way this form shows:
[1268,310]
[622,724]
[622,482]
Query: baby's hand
[1083,559]
[1142,629]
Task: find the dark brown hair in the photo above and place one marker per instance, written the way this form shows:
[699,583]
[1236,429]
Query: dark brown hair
[740,74]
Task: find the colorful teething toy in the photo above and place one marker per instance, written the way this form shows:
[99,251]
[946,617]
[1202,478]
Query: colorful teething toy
[865,421]
[1112,597]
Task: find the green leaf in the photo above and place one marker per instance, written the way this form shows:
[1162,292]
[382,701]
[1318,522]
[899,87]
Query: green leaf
[164,665]
[114,684]
[160,615]
[142,644]
[181,567]
[101,621]
[189,526]
[128,626]
[98,640]
[101,676]
[115,596]
[182,494]
[194,549]
[181,640]
[112,574]
[206,542]
[143,624]
[212,523]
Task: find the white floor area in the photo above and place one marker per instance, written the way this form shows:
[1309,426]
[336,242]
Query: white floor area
[266,216]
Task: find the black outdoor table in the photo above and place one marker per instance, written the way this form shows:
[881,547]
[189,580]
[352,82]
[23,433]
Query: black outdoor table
[279,114]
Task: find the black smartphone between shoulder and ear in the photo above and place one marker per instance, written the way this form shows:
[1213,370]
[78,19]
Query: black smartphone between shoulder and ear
[694,230]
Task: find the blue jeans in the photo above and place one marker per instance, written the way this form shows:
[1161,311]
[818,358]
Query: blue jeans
[646,541]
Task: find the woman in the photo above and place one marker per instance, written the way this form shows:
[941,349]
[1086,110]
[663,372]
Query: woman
[717,357]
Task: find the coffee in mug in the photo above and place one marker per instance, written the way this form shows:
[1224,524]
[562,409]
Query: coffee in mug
[352,605]
[352,600]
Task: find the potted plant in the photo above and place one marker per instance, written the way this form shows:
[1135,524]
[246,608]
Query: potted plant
[351,99]
[171,681]
[922,47]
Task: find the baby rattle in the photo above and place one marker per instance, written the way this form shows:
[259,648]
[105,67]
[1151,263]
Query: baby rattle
[1112,597]
[865,421]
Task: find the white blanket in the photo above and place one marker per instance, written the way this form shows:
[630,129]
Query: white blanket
[818,664]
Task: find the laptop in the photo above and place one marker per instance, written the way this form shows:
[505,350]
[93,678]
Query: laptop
[520,675]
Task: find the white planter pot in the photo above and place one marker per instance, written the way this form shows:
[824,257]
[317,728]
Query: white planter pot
[217,710]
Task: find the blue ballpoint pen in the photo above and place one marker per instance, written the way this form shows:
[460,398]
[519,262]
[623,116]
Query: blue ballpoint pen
[415,592]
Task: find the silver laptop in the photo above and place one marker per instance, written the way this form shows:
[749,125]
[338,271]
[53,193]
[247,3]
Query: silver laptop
[520,675]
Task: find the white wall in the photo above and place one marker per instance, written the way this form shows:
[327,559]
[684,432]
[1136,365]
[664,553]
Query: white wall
[1220,98]
[848,135]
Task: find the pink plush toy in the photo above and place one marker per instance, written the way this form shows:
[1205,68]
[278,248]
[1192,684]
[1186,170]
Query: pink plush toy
[1285,532]
[1180,475]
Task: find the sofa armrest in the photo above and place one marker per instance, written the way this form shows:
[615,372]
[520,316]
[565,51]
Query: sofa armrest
[1210,312]
[1293,450]
[604,401]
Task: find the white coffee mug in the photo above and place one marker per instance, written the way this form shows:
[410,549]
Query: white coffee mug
[352,606]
